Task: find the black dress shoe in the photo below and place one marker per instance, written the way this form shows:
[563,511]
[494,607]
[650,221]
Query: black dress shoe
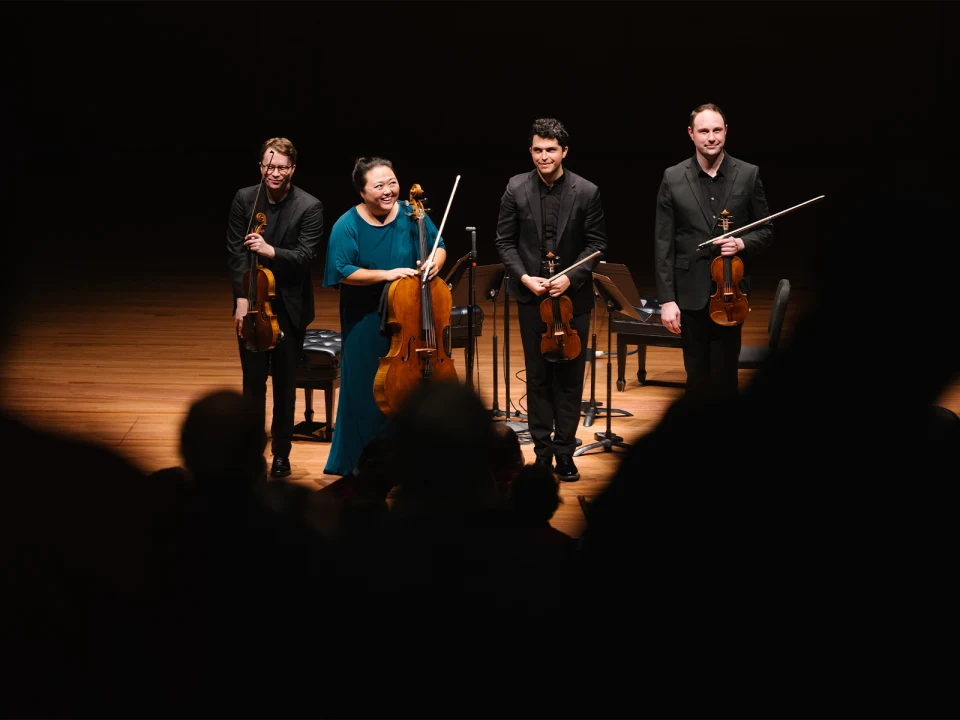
[566,470]
[280,467]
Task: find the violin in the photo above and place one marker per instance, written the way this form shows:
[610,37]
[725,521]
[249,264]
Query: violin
[728,305]
[260,330]
[416,309]
[560,342]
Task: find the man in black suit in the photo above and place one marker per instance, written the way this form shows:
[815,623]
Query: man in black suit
[692,196]
[550,211]
[287,246]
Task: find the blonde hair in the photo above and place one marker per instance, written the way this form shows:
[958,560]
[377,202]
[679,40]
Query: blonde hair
[282,146]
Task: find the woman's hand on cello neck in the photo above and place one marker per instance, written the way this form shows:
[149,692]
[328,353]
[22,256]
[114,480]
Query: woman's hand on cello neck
[432,270]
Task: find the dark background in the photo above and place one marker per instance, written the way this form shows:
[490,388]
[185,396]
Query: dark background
[143,119]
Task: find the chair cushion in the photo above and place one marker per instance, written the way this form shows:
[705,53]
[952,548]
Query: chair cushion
[321,348]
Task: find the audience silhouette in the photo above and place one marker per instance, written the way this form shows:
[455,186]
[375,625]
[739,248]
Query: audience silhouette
[814,568]
[506,457]
[811,569]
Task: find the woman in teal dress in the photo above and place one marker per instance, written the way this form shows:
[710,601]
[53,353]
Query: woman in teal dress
[371,245]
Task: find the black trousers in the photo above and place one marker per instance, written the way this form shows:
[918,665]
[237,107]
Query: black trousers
[282,361]
[554,390]
[710,356]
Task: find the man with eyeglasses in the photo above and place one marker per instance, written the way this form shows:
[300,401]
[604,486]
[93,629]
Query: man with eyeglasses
[287,245]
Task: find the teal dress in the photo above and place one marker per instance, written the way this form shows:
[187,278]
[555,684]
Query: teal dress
[355,244]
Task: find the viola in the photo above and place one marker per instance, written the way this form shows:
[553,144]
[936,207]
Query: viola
[260,330]
[728,305]
[560,342]
[417,309]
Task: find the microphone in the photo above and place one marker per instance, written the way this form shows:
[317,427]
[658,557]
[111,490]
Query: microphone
[473,242]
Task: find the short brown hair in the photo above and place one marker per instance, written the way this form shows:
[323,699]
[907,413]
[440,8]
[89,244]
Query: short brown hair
[703,108]
[282,146]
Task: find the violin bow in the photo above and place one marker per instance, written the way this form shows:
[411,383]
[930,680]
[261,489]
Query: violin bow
[263,177]
[759,222]
[564,272]
[425,270]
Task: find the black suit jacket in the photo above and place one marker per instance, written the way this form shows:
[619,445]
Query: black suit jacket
[581,231]
[296,240]
[684,221]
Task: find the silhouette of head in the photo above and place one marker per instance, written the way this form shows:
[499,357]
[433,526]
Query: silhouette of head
[222,440]
[443,436]
[535,495]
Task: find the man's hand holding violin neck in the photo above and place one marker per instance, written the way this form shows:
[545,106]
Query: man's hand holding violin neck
[536,285]
[256,243]
[729,245]
[556,286]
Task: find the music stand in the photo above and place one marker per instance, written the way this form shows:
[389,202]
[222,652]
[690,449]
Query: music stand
[456,272]
[615,302]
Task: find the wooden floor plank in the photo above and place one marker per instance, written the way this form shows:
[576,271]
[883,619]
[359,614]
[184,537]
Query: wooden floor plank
[121,363]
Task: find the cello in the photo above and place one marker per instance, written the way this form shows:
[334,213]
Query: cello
[416,309]
[260,330]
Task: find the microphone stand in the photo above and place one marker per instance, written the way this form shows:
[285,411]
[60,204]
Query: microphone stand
[516,426]
[497,412]
[491,277]
[590,408]
[471,301]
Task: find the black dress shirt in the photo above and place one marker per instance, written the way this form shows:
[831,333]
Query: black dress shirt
[711,188]
[550,213]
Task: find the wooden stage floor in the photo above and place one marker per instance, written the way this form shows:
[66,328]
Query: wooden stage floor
[120,363]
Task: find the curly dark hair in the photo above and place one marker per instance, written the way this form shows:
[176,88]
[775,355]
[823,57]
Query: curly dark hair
[551,129]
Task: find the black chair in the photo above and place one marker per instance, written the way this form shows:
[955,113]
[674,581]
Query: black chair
[319,370]
[754,356]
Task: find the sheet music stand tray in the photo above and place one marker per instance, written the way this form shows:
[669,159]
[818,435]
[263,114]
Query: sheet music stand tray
[615,302]
[453,279]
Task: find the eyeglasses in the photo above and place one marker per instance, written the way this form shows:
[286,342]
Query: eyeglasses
[283,169]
